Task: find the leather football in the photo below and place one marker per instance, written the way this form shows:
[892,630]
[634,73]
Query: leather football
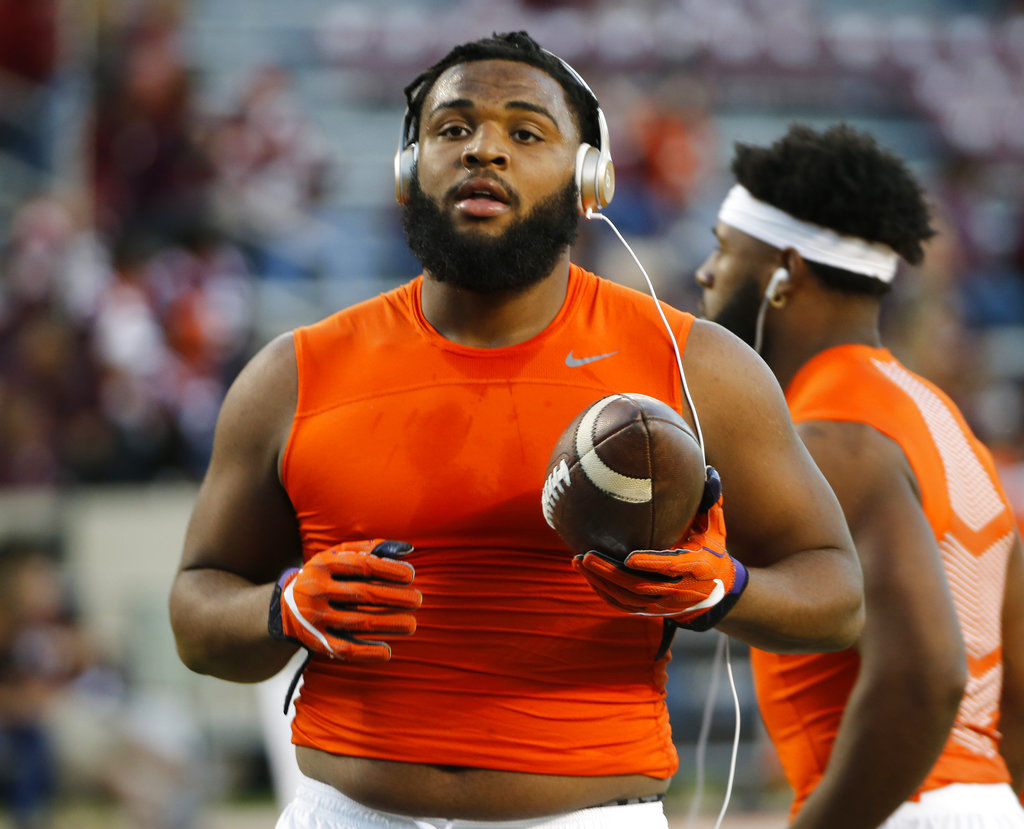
[627,474]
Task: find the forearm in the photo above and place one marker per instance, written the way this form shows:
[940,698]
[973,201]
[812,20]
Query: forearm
[220,626]
[808,602]
[1011,725]
[1011,707]
[864,781]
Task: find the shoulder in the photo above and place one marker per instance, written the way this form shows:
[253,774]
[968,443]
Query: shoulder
[256,415]
[731,382]
[393,303]
[392,311]
[623,303]
[857,383]
[852,415]
[856,457]
[716,348]
[617,292]
[271,369]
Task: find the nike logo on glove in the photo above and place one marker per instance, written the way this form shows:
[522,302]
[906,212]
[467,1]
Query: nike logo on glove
[289,597]
[576,362]
[716,596]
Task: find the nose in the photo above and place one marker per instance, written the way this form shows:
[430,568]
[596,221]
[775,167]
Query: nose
[485,148]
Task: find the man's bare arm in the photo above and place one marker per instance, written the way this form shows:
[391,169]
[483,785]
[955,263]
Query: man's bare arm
[1011,712]
[913,667]
[243,530]
[782,519]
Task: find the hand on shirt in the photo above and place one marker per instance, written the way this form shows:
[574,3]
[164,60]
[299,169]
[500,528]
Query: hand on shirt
[344,593]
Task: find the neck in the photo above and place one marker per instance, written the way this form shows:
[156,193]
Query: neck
[804,330]
[499,319]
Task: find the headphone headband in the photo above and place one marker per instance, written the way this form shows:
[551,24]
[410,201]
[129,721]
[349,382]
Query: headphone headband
[576,76]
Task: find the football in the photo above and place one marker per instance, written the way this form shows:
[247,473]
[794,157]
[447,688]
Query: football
[627,474]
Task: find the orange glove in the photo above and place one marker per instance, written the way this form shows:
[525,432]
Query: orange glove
[354,588]
[693,586]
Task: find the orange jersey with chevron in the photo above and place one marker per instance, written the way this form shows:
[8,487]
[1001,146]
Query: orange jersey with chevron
[517,664]
[802,696]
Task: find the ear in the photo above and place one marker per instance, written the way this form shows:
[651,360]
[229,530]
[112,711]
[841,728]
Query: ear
[799,274]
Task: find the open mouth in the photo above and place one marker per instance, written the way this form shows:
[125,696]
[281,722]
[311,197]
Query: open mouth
[481,197]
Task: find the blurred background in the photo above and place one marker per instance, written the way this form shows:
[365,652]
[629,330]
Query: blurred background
[181,181]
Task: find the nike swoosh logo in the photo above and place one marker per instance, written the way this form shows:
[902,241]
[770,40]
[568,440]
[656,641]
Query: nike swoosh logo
[716,596]
[576,362]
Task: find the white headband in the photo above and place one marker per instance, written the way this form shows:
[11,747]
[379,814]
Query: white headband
[818,244]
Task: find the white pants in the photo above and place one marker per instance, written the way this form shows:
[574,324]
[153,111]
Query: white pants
[319,806]
[961,806]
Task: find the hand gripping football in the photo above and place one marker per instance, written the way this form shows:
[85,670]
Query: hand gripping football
[627,474]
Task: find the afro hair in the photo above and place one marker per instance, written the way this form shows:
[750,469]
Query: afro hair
[841,179]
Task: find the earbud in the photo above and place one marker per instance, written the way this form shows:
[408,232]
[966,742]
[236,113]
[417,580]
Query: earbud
[773,292]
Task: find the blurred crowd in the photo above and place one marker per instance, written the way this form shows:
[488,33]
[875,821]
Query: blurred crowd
[136,249]
[129,297]
[127,304]
[72,724]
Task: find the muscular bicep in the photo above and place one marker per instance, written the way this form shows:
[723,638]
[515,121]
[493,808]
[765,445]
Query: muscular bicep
[776,500]
[243,522]
[910,619]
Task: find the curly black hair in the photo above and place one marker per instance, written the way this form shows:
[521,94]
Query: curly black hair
[841,179]
[517,46]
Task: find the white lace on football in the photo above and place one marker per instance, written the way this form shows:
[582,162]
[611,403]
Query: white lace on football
[618,486]
[813,242]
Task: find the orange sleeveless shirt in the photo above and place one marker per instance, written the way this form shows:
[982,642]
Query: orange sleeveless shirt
[400,433]
[802,697]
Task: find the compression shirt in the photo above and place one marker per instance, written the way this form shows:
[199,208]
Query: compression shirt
[802,696]
[517,664]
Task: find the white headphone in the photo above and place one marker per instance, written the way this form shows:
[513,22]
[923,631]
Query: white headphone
[773,292]
[595,173]
[772,296]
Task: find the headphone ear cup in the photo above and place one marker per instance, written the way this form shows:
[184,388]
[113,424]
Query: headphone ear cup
[586,163]
[595,178]
[405,169]
[605,182]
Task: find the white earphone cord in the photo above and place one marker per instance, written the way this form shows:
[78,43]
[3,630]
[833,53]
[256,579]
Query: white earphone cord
[770,296]
[590,214]
[762,311]
[703,739]
[705,731]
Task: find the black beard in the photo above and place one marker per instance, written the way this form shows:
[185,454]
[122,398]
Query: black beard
[521,256]
[739,314]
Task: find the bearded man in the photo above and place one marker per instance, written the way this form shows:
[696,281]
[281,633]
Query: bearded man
[472,672]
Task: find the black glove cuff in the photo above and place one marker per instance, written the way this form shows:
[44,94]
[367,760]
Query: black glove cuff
[702,623]
[714,615]
[274,625]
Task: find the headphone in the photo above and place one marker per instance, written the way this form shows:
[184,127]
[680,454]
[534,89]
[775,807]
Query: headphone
[773,292]
[594,173]
[772,296]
